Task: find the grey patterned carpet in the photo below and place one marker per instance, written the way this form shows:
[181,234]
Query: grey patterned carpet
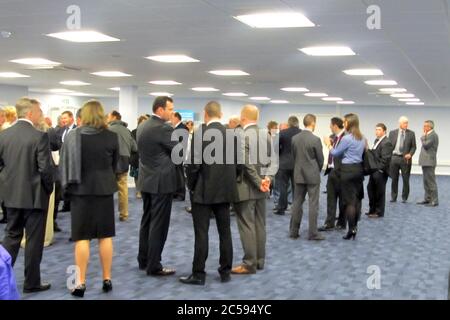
[410,247]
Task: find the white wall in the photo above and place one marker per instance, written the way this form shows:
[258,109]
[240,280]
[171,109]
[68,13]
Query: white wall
[10,94]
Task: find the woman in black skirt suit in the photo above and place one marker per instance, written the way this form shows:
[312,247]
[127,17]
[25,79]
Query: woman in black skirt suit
[88,161]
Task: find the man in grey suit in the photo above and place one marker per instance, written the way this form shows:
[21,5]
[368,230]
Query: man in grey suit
[26,181]
[427,160]
[158,182]
[253,187]
[308,159]
[404,142]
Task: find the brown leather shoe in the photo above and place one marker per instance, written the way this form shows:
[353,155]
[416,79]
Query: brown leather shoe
[241,269]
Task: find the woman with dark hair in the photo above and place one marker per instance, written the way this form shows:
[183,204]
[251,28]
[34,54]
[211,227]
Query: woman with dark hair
[351,150]
[88,162]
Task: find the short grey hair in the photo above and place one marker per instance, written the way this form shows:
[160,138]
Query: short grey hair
[23,106]
[403,119]
[430,123]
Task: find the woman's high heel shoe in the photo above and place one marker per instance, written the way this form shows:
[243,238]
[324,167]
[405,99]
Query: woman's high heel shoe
[79,291]
[107,285]
[350,234]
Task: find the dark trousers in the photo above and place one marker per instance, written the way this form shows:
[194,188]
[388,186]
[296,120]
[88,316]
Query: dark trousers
[429,184]
[5,213]
[153,231]
[201,219]
[398,163]
[333,196]
[285,177]
[33,221]
[376,189]
[180,193]
[58,197]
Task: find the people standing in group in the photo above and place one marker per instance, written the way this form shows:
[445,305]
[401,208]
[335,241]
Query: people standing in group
[351,150]
[26,181]
[428,162]
[253,188]
[334,192]
[285,174]
[134,158]
[210,196]
[376,189]
[404,142]
[308,159]
[158,182]
[88,164]
[127,145]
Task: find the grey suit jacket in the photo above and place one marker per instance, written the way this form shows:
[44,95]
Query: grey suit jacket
[410,141]
[249,175]
[430,143]
[157,174]
[308,158]
[26,171]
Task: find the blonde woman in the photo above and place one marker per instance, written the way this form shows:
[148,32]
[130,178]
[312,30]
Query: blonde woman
[11,117]
[88,161]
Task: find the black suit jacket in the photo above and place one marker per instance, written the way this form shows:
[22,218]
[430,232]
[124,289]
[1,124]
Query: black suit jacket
[336,160]
[383,154]
[410,141]
[211,183]
[99,157]
[157,172]
[285,142]
[26,175]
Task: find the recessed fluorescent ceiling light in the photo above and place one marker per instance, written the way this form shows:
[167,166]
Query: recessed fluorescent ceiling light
[293,89]
[332,99]
[260,98]
[235,94]
[363,72]
[205,89]
[409,100]
[276,20]
[393,90]
[60,91]
[12,75]
[416,103]
[83,36]
[328,51]
[402,95]
[316,94]
[229,73]
[175,58]
[80,94]
[346,102]
[279,101]
[165,82]
[111,74]
[161,94]
[115,89]
[381,82]
[36,62]
[75,83]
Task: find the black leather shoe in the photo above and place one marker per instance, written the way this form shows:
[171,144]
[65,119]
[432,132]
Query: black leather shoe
[163,272]
[43,287]
[294,236]
[225,278]
[317,237]
[107,285]
[423,202]
[339,227]
[65,209]
[404,201]
[393,200]
[192,280]
[432,204]
[79,291]
[56,228]
[279,212]
[326,228]
[4,220]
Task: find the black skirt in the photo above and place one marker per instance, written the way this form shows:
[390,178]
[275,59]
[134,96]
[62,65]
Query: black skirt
[92,217]
[352,179]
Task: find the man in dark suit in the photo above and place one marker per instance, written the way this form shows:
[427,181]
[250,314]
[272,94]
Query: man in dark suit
[285,174]
[427,160]
[376,189]
[26,181]
[69,125]
[334,182]
[404,142]
[253,184]
[209,195]
[157,181]
[308,159]
[176,118]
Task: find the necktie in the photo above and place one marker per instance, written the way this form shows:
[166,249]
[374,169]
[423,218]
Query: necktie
[375,143]
[330,157]
[402,141]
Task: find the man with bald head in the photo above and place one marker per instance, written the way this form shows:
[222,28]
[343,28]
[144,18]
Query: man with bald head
[253,186]
[404,142]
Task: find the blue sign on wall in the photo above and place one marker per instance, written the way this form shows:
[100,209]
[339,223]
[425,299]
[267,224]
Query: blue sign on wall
[186,114]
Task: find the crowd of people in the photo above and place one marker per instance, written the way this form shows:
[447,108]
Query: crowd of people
[88,157]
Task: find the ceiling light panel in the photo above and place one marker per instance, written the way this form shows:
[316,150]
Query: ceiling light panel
[276,20]
[328,51]
[174,58]
[83,36]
